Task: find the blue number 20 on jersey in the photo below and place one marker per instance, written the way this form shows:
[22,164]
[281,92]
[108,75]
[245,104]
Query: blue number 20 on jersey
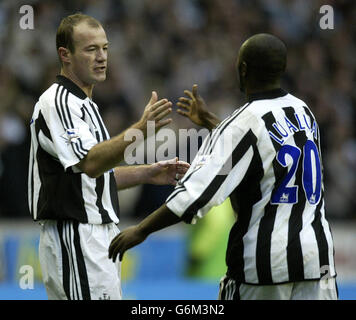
[311,177]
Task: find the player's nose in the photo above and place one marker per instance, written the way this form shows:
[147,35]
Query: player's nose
[101,55]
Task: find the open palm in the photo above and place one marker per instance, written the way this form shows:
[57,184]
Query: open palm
[194,107]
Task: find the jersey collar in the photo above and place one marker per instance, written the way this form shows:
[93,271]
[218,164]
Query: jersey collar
[71,86]
[270,94]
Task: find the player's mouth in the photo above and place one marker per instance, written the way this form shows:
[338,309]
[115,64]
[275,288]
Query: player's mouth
[100,69]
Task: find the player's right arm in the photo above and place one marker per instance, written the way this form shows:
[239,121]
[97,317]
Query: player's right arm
[194,107]
[108,154]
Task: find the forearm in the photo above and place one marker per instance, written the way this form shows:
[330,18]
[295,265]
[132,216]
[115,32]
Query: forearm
[130,176]
[159,219]
[107,154]
[210,120]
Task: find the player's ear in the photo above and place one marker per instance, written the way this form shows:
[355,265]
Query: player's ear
[64,54]
[243,68]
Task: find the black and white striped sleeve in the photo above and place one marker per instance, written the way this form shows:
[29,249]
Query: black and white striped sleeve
[70,134]
[213,176]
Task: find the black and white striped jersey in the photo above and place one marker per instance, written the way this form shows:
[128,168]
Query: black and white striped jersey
[64,126]
[266,157]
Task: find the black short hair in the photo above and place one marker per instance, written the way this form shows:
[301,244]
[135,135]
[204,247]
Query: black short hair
[265,56]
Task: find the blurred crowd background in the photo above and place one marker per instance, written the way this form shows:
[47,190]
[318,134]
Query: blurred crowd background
[167,46]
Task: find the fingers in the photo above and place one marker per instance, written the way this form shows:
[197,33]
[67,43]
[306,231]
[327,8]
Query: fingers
[157,111]
[184,100]
[192,94]
[125,240]
[180,176]
[183,106]
[195,91]
[178,165]
[158,108]
[163,102]
[186,107]
[112,244]
[189,94]
[154,97]
[174,161]
[161,114]
[182,167]
[163,123]
[177,177]
[115,248]
[174,166]
[166,163]
[183,163]
[182,170]
[183,113]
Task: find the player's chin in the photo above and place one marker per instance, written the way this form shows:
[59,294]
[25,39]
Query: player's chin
[99,77]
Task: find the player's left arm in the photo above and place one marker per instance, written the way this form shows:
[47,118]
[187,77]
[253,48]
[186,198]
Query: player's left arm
[132,236]
[159,173]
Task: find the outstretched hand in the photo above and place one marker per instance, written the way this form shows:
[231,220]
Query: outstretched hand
[195,108]
[192,106]
[167,172]
[155,111]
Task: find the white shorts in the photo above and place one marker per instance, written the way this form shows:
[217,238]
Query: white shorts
[74,261]
[324,289]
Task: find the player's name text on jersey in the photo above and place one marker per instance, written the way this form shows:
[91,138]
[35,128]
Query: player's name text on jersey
[285,128]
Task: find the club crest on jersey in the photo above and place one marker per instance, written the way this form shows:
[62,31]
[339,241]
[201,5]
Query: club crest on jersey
[71,135]
[284,198]
[201,160]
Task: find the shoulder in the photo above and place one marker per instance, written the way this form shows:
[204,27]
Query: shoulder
[295,100]
[249,114]
[49,95]
[58,97]
[242,119]
[275,106]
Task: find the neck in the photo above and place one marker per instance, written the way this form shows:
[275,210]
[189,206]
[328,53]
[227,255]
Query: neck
[261,88]
[87,88]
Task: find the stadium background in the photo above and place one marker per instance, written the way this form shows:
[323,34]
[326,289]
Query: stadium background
[168,45]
